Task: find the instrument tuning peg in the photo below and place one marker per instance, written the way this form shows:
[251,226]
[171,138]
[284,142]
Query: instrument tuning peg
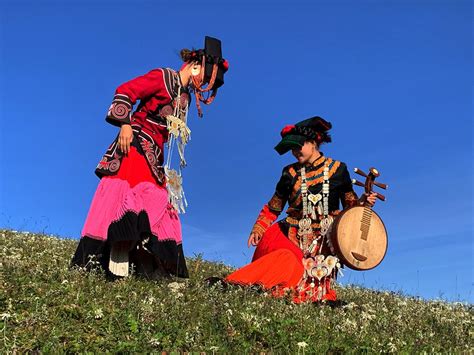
[374,172]
[360,172]
[380,196]
[381,185]
[358,183]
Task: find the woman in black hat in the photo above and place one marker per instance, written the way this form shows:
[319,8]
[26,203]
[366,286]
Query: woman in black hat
[134,212]
[295,254]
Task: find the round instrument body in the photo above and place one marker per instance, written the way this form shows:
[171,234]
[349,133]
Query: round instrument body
[359,238]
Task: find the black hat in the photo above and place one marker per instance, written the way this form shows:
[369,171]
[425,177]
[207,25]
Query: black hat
[213,53]
[294,136]
[213,74]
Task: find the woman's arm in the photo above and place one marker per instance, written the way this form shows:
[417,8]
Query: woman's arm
[347,195]
[127,94]
[272,209]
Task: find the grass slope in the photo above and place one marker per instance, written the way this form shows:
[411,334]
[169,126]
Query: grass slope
[47,307]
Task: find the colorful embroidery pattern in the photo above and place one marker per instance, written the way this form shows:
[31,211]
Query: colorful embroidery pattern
[120,110]
[276,204]
[312,178]
[350,199]
[264,220]
[110,162]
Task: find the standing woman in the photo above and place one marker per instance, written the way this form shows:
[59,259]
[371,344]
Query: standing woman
[134,213]
[295,255]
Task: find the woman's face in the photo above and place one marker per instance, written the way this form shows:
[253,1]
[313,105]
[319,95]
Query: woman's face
[305,153]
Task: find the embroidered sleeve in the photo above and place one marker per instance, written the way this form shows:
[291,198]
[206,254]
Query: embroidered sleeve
[264,220]
[120,110]
[350,199]
[275,206]
[348,196]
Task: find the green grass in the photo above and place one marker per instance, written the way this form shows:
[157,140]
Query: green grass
[47,307]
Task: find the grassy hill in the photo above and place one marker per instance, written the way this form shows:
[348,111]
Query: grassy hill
[47,307]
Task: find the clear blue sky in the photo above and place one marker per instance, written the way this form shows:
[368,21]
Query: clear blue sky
[394,78]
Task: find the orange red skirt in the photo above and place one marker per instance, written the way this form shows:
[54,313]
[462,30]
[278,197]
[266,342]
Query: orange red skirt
[277,266]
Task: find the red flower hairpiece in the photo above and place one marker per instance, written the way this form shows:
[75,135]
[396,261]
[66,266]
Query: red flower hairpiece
[225,65]
[287,129]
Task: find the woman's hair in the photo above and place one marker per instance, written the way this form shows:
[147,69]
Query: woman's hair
[190,55]
[325,137]
[185,54]
[321,137]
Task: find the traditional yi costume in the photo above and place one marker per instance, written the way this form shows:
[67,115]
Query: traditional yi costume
[134,213]
[295,254]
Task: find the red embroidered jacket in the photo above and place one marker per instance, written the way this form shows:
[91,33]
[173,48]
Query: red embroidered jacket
[288,190]
[157,92]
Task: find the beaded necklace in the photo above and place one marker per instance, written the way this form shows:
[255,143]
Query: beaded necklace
[314,205]
[317,266]
[179,136]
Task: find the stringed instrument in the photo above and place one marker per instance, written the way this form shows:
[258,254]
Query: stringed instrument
[358,234]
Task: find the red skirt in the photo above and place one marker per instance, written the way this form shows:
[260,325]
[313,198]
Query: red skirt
[277,265]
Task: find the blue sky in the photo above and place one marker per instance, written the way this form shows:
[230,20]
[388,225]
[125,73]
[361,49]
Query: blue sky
[394,78]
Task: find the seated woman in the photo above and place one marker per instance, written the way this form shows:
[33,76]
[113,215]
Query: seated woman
[294,255]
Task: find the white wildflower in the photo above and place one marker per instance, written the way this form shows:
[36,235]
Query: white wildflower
[367,315]
[175,287]
[5,316]
[349,324]
[154,342]
[392,347]
[189,337]
[149,300]
[350,305]
[302,345]
[98,314]
[402,303]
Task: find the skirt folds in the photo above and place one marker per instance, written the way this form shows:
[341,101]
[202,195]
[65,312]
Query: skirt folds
[277,266]
[131,207]
[276,263]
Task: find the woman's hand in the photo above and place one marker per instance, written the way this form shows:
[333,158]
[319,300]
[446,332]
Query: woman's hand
[369,198]
[125,138]
[254,239]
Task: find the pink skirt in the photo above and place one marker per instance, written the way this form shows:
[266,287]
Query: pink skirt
[131,207]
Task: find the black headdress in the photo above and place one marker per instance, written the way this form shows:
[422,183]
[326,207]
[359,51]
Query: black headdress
[214,66]
[293,136]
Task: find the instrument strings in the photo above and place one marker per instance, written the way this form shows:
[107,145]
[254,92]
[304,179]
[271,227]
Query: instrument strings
[365,222]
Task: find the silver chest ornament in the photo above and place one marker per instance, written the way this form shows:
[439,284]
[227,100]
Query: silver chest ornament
[179,136]
[304,224]
[314,199]
[319,266]
[314,205]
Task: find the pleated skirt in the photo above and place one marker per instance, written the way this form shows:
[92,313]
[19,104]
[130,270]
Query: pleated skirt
[132,209]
